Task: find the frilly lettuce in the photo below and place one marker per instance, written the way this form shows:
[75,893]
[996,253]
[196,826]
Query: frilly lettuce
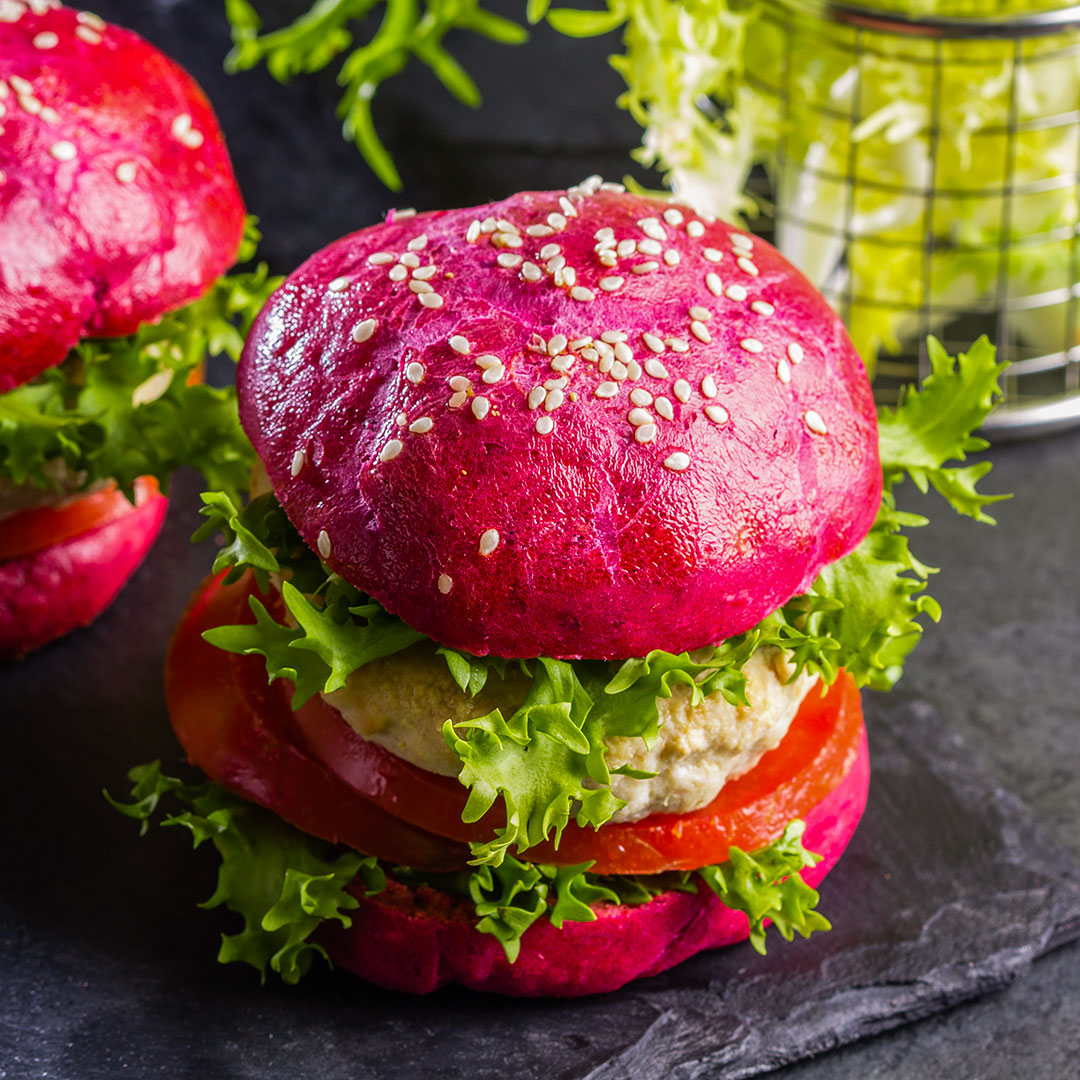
[545,762]
[285,884]
[120,408]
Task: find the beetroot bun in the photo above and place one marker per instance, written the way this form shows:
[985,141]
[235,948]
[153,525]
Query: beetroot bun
[572,424]
[117,199]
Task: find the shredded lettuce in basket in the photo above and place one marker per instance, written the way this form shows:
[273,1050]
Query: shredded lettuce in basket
[545,763]
[285,884]
[702,80]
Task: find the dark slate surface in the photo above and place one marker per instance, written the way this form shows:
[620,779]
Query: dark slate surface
[107,967]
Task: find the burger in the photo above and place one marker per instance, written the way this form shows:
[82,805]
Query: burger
[570,546]
[119,211]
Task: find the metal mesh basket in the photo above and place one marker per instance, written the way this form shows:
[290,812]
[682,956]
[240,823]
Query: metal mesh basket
[927,178]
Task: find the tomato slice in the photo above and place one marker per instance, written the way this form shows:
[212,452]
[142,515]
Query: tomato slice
[42,526]
[818,753]
[237,729]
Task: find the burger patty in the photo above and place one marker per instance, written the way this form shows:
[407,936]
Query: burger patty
[402,701]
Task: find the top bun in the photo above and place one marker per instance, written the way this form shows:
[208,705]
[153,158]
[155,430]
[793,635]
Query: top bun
[117,199]
[570,424]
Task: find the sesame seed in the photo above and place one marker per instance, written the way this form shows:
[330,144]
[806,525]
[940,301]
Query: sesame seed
[646,433]
[606,364]
[544,425]
[555,263]
[795,352]
[531,272]
[569,276]
[623,352]
[504,225]
[181,125]
[553,400]
[641,397]
[62,150]
[814,422]
[88,18]
[653,229]
[618,371]
[650,247]
[549,251]
[735,292]
[404,212]
[458,399]
[678,462]
[665,408]
[717,414]
[488,360]
[610,284]
[414,372]
[493,374]
[446,583]
[610,185]
[562,362]
[645,267]
[537,345]
[422,426]
[480,407]
[567,207]
[505,239]
[713,254]
[417,243]
[556,221]
[489,541]
[656,369]
[421,287]
[401,419]
[682,390]
[84,33]
[762,307]
[29,104]
[606,390]
[322,542]
[432,300]
[21,85]
[639,416]
[45,40]
[713,283]
[747,266]
[459,382]
[708,386]
[673,216]
[508,259]
[391,450]
[425,273]
[556,344]
[461,345]
[677,344]
[536,397]
[126,172]
[410,259]
[579,343]
[702,313]
[339,284]
[473,233]
[487,226]
[604,234]
[695,230]
[613,337]
[398,273]
[672,257]
[633,370]
[783,371]
[751,345]
[652,342]
[700,331]
[738,240]
[362,331]
[539,230]
[380,258]
[579,292]
[299,460]
[626,248]
[556,384]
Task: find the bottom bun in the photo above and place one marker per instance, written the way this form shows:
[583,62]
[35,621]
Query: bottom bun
[49,592]
[398,942]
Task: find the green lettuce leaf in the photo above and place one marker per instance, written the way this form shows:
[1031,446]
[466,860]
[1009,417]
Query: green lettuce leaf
[120,408]
[283,883]
[408,30]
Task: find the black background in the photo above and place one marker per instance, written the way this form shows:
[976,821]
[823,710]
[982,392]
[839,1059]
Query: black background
[107,967]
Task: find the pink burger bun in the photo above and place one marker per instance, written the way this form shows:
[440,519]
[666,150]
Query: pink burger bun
[569,429]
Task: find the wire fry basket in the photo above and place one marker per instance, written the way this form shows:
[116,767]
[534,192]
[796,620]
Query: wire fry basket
[926,177]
